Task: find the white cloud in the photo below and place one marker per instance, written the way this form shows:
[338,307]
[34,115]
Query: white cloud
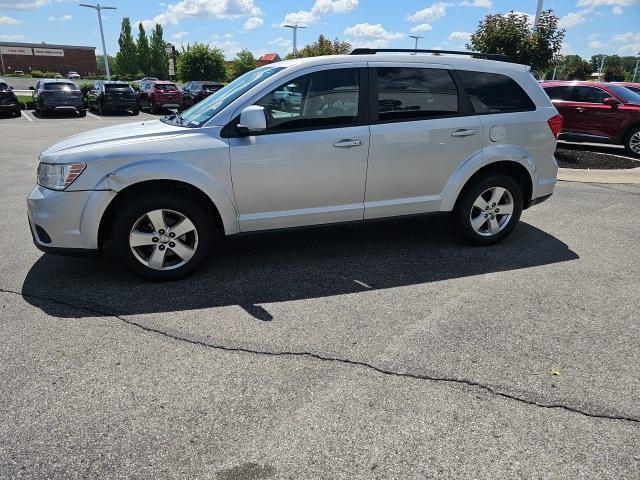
[596,44]
[572,19]
[626,37]
[64,18]
[22,4]
[11,37]
[219,9]
[253,23]
[320,8]
[229,47]
[423,27]
[368,35]
[477,3]
[284,43]
[9,21]
[630,41]
[179,35]
[434,12]
[617,10]
[466,36]
[599,3]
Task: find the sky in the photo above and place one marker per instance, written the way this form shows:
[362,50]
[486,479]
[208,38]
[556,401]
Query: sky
[592,26]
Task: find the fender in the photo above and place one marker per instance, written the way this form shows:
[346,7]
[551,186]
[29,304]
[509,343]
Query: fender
[181,171]
[490,154]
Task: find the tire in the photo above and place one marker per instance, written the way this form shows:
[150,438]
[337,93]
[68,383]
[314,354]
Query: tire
[135,112]
[99,108]
[152,108]
[468,217]
[133,217]
[17,113]
[82,112]
[632,142]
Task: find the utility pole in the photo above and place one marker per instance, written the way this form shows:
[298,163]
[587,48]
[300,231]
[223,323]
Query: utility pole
[601,67]
[538,12]
[98,8]
[3,72]
[635,71]
[416,37]
[295,28]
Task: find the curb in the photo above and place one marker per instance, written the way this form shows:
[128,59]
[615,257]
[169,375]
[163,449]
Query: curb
[629,176]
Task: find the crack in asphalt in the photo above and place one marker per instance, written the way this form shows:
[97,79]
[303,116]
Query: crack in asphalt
[315,356]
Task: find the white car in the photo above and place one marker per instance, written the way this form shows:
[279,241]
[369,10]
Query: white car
[73,76]
[376,134]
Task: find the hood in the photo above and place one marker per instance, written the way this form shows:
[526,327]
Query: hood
[114,136]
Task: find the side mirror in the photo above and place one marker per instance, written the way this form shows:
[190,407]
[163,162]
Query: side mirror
[612,102]
[252,119]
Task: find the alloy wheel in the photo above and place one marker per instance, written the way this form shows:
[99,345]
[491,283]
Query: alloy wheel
[163,239]
[491,211]
[634,142]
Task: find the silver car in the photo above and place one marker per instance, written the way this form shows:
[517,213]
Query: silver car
[376,134]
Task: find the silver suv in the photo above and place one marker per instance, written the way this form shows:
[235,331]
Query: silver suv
[375,134]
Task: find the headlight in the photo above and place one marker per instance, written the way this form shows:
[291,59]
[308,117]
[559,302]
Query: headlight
[58,177]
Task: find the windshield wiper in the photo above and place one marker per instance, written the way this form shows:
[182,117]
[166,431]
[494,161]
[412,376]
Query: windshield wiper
[177,116]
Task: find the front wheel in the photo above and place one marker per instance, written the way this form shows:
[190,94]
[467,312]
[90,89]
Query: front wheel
[632,142]
[489,210]
[162,237]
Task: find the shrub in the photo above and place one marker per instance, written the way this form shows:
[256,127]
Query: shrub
[37,73]
[49,74]
[85,87]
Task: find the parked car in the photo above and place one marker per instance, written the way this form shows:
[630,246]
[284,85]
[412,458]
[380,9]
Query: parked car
[159,95]
[112,96]
[51,95]
[8,100]
[634,87]
[597,112]
[194,92]
[453,133]
[73,76]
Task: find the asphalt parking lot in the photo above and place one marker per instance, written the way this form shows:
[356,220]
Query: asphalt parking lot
[386,350]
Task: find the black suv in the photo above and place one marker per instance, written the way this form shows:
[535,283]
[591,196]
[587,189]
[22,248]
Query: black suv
[58,96]
[112,96]
[8,100]
[193,92]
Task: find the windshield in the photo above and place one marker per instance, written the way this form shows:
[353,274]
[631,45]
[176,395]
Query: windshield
[60,86]
[165,87]
[117,86]
[624,94]
[216,102]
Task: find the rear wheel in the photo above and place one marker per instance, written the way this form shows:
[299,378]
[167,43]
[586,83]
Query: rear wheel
[82,112]
[162,237]
[632,142]
[488,210]
[17,113]
[135,111]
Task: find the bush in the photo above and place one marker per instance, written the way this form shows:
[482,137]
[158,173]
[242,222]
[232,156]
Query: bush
[135,86]
[85,87]
[26,103]
[37,73]
[49,74]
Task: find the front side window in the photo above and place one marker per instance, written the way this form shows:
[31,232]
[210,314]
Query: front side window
[590,95]
[323,99]
[564,94]
[415,93]
[495,93]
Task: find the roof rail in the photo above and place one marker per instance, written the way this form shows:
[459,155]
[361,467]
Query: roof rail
[485,56]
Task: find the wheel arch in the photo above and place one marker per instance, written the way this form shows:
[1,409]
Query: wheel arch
[106,221]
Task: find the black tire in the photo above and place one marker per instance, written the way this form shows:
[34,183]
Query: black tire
[136,207]
[135,112]
[464,210]
[635,131]
[152,108]
[82,112]
[17,113]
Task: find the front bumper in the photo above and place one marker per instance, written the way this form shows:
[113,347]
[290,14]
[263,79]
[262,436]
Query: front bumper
[71,220]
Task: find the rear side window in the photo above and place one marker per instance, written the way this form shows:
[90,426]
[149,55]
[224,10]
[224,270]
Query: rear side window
[564,94]
[590,95]
[415,93]
[495,93]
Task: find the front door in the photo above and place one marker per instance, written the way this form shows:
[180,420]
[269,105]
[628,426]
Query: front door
[309,165]
[591,117]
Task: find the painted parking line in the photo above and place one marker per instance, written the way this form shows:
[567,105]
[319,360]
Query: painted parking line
[94,116]
[25,115]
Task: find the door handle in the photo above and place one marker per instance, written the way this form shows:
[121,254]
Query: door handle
[580,109]
[347,143]
[463,133]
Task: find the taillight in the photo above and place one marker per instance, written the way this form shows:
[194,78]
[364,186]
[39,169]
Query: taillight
[555,124]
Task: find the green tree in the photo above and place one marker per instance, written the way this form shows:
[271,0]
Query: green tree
[201,62]
[323,46]
[159,60]
[112,64]
[574,67]
[614,73]
[243,63]
[143,51]
[126,61]
[512,35]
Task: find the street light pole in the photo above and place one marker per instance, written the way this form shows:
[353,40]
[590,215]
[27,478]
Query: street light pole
[635,71]
[98,8]
[295,28]
[601,67]
[416,37]
[538,12]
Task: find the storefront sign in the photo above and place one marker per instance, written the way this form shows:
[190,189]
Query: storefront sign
[48,52]
[15,51]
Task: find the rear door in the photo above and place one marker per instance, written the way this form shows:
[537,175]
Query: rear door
[421,132]
[562,98]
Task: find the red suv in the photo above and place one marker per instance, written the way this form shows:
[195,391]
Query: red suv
[634,87]
[159,95]
[597,112]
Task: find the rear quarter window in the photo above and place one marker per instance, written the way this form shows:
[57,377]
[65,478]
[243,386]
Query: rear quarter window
[495,93]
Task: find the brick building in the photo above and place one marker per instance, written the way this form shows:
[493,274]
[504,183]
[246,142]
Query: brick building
[47,58]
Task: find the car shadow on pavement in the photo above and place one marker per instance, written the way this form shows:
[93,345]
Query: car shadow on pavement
[289,265]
